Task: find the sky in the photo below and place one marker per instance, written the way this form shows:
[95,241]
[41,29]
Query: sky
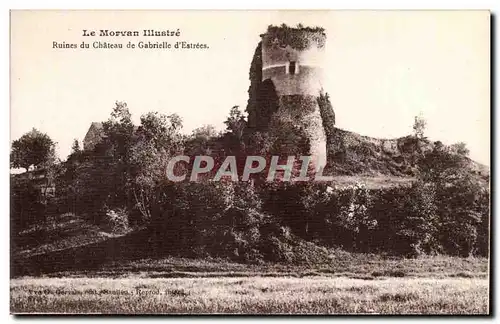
[382,69]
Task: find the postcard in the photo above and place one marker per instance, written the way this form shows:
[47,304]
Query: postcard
[250,162]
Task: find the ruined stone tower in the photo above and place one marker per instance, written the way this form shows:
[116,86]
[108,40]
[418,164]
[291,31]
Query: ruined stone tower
[286,81]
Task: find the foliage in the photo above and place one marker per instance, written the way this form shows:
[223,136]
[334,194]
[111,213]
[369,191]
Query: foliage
[117,220]
[32,192]
[460,148]
[298,38]
[354,213]
[462,200]
[417,231]
[442,165]
[419,127]
[75,147]
[121,185]
[26,207]
[327,114]
[463,207]
[255,76]
[236,122]
[206,132]
[32,149]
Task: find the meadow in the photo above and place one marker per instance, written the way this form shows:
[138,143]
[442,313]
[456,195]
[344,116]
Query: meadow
[430,285]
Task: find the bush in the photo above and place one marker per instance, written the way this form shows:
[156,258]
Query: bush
[117,220]
[26,207]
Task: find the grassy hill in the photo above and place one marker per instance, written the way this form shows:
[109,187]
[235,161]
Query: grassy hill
[363,156]
[68,246]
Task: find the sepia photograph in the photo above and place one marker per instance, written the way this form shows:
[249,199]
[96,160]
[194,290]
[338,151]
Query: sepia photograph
[270,162]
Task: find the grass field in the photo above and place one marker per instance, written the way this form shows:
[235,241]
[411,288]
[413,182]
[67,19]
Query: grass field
[314,295]
[362,284]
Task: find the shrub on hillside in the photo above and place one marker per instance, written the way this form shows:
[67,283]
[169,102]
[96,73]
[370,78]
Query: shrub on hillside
[117,220]
[26,205]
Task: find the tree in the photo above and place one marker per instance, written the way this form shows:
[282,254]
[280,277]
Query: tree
[461,199]
[118,130]
[355,216]
[32,149]
[158,140]
[418,225]
[443,165]
[201,141]
[161,130]
[419,127]
[236,122]
[205,131]
[99,181]
[460,148]
[115,156]
[75,148]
